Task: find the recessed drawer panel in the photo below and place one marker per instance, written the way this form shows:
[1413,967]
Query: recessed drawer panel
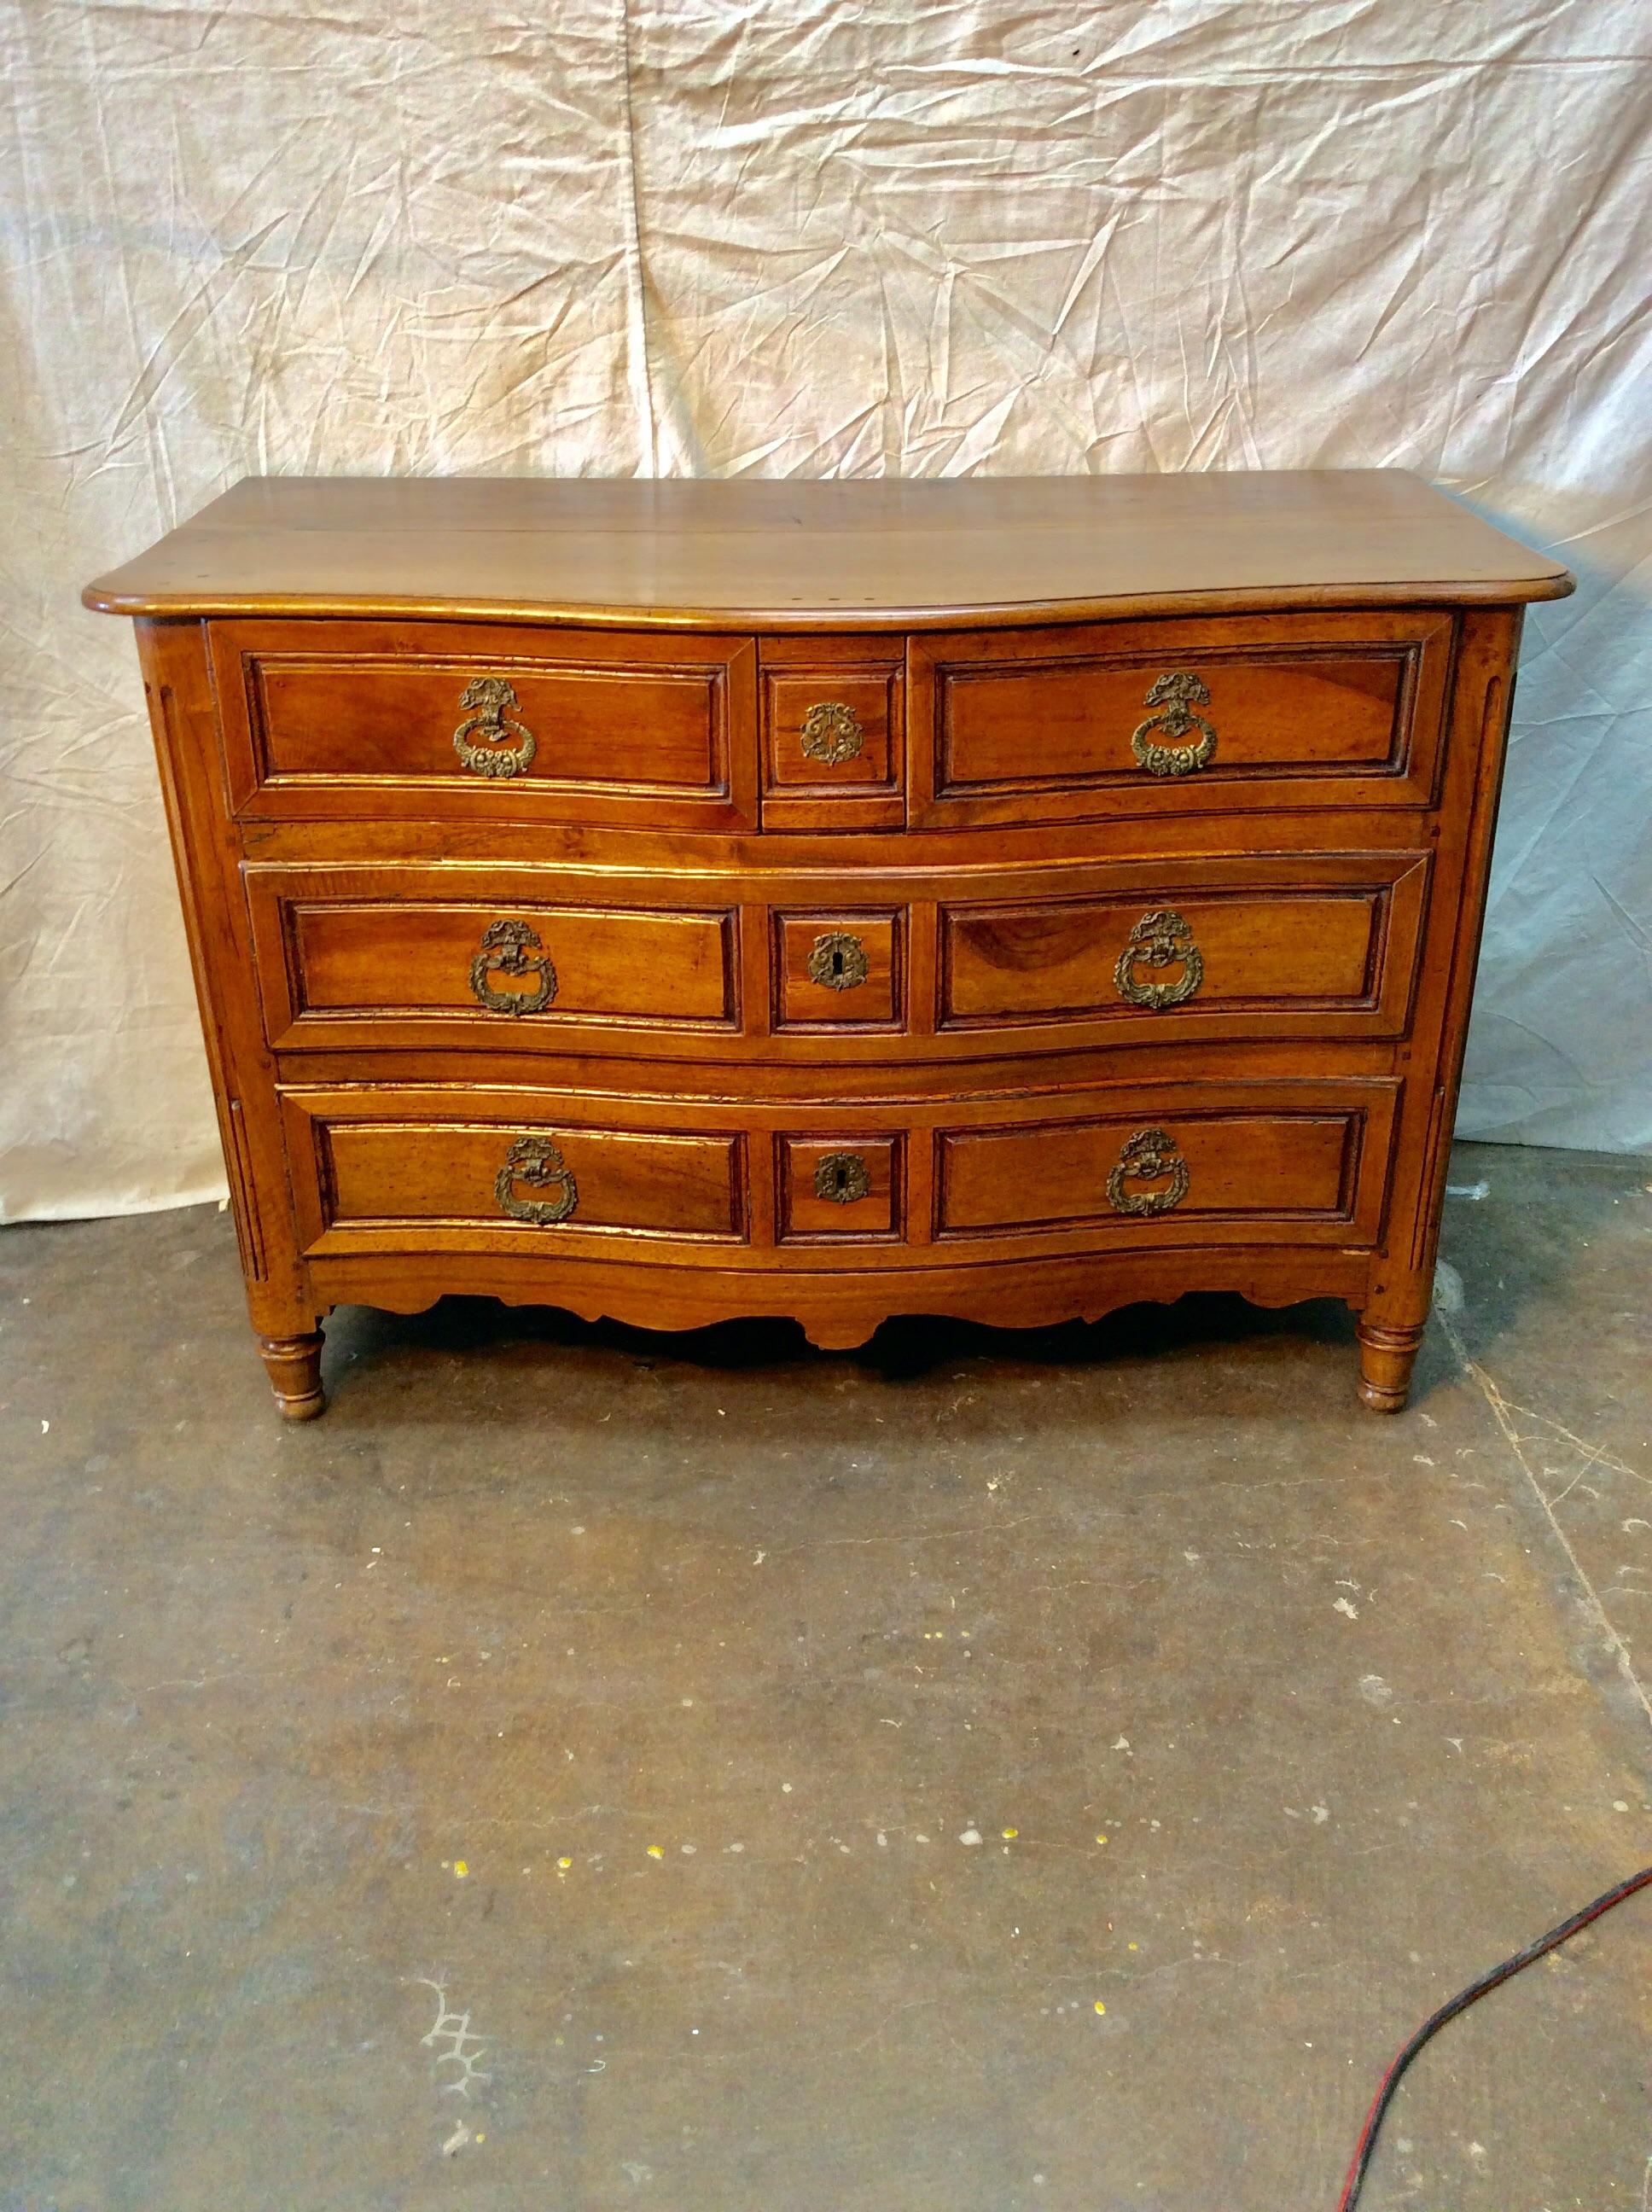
[842,1187]
[372,1174]
[338,971]
[1204,953]
[1176,1175]
[1269,711]
[834,741]
[469,720]
[837,971]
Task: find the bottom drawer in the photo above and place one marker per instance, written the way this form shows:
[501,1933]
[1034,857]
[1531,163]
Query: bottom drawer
[1204,1167]
[395,1167]
[1174,1165]
[391,1178]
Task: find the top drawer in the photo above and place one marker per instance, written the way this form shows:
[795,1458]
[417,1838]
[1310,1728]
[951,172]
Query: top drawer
[1258,712]
[456,719]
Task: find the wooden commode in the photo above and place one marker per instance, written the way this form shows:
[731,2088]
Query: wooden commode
[1007,898]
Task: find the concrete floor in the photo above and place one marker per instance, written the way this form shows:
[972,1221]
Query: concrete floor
[774,1763]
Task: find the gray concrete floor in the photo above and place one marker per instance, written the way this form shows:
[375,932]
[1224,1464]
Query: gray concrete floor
[776,1763]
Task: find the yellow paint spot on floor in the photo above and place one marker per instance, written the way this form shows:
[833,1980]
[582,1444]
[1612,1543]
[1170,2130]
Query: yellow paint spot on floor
[656,1850]
[1010,1834]
[1100,2007]
[564,1865]
[461,1868]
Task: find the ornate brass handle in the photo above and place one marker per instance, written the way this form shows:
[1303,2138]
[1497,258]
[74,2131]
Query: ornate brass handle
[1160,939]
[485,706]
[841,1178]
[1148,1156]
[831,733]
[510,948]
[537,1162]
[838,961]
[1175,696]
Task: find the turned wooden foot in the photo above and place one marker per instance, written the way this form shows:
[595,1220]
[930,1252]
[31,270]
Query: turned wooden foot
[1387,1356]
[294,1366]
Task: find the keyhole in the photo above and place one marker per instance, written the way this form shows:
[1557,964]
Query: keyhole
[837,960]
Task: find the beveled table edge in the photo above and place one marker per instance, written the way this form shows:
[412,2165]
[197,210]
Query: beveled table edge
[101,597]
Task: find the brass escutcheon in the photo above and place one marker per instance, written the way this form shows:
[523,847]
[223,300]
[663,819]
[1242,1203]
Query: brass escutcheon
[1175,696]
[838,961]
[841,1178]
[510,948]
[485,705]
[1148,1156]
[537,1162]
[831,733]
[1159,940]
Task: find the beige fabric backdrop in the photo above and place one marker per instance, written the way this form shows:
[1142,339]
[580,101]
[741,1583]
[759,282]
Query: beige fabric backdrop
[805,236]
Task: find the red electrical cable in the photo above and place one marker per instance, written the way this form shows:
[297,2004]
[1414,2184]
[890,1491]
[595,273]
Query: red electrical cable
[1360,2163]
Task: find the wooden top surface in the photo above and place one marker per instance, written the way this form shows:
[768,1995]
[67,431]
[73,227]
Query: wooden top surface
[842,554]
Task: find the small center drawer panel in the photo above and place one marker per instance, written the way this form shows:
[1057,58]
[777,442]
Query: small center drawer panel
[478,721]
[834,733]
[838,971]
[845,1186]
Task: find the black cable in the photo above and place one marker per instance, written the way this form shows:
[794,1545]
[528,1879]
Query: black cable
[1360,2163]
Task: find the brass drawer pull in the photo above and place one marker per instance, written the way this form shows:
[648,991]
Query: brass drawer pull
[1175,694]
[537,1162]
[510,948]
[1148,1156]
[841,1178]
[1159,940]
[831,733]
[838,961]
[485,707]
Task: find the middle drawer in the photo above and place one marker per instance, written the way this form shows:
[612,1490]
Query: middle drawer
[809,965]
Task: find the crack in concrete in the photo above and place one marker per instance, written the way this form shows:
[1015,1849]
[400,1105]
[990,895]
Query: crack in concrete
[1502,1410]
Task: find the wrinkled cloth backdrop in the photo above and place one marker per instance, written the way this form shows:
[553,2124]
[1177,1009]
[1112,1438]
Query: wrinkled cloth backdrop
[809,237]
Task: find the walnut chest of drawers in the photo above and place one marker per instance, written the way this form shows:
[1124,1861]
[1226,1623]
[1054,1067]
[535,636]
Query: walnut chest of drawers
[1002,898]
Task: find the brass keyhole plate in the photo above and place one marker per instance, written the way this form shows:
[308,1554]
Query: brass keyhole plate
[842,1178]
[831,734]
[838,961]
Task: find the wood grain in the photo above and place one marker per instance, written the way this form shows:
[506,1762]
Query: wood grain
[1305,710]
[360,718]
[606,966]
[1016,965]
[1282,1167]
[867,556]
[379,1174]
